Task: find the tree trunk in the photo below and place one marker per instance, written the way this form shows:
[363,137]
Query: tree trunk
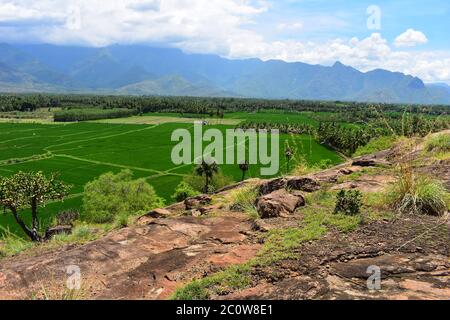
[25,229]
[35,223]
[206,184]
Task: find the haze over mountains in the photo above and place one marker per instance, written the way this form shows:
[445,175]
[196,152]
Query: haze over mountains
[142,70]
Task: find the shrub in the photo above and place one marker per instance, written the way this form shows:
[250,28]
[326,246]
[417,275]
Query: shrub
[218,182]
[183,192]
[418,195]
[113,195]
[348,202]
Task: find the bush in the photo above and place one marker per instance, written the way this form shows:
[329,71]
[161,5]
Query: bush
[348,202]
[183,192]
[218,182]
[418,195]
[113,195]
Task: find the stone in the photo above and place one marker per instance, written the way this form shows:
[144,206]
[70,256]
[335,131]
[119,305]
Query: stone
[272,185]
[159,213]
[196,202]
[151,216]
[303,184]
[346,171]
[279,204]
[261,226]
[369,162]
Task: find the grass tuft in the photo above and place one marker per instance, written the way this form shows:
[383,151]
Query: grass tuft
[413,194]
[244,199]
[11,244]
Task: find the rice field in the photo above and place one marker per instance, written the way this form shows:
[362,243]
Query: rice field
[80,152]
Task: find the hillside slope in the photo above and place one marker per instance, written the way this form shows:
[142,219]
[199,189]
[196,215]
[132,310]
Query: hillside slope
[326,257]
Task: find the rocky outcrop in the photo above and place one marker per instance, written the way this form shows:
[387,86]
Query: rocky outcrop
[272,185]
[155,214]
[279,204]
[142,262]
[370,161]
[304,184]
[197,202]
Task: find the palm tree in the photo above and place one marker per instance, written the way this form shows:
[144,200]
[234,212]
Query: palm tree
[244,168]
[289,153]
[207,170]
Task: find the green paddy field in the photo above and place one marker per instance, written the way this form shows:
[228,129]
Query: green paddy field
[80,152]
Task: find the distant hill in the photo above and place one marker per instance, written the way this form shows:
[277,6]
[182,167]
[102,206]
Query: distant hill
[142,70]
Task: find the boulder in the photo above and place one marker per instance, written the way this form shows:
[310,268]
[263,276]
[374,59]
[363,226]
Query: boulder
[159,213]
[262,226]
[272,185]
[346,171]
[51,232]
[151,216]
[303,184]
[369,162]
[196,202]
[279,204]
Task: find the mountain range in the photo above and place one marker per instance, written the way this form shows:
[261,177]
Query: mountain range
[143,70]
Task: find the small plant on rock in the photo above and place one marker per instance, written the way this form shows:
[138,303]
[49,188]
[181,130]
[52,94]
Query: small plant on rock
[348,202]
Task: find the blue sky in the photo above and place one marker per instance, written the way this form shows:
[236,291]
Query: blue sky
[413,35]
[347,18]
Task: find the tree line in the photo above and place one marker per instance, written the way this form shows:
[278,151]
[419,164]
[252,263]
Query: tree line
[206,106]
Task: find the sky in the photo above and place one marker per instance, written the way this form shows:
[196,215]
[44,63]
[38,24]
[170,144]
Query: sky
[409,36]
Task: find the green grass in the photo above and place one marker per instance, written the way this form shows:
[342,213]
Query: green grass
[375,145]
[12,244]
[438,146]
[244,199]
[413,194]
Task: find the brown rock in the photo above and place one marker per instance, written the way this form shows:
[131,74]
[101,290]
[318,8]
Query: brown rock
[261,225]
[279,204]
[369,162]
[155,214]
[272,185]
[346,171]
[159,213]
[196,202]
[303,184]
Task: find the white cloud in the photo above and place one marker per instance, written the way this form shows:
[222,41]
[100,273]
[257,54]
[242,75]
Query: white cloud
[294,26]
[410,38]
[224,27]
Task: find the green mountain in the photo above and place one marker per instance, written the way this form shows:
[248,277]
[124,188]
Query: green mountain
[142,70]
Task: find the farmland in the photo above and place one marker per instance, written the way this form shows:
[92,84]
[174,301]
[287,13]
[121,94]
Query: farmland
[134,133]
[80,152]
